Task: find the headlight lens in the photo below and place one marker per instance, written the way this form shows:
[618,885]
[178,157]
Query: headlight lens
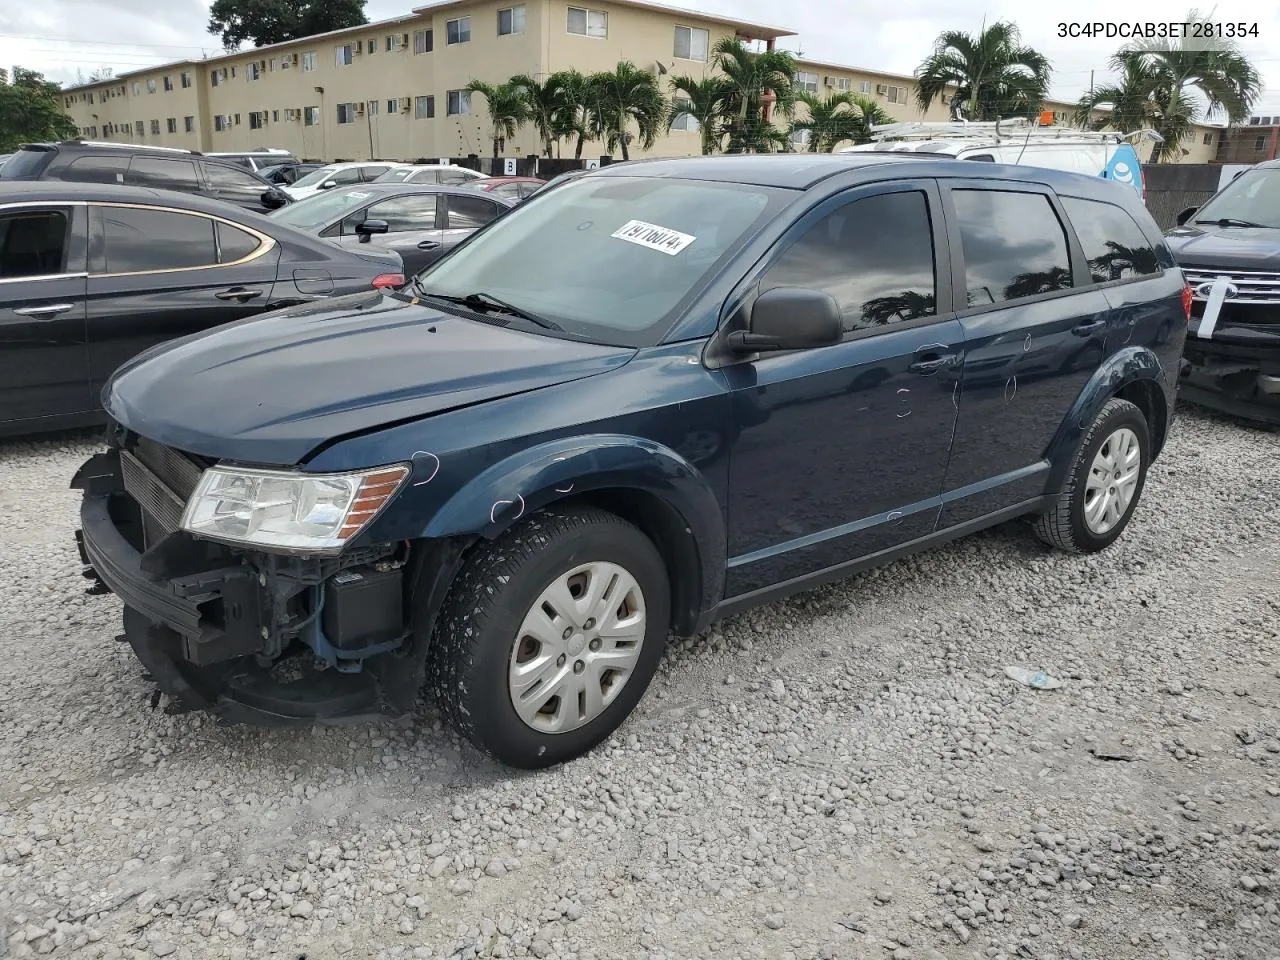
[289,511]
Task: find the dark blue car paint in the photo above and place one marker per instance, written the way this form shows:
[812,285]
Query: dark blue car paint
[783,471]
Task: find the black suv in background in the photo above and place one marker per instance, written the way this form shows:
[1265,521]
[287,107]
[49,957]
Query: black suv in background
[160,168]
[1229,250]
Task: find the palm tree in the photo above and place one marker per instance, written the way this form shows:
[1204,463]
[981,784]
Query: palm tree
[751,78]
[624,97]
[545,106]
[508,110]
[1132,101]
[1176,74]
[705,101]
[995,75]
[839,117]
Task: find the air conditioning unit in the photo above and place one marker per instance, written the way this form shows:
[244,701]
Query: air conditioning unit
[359,108]
[357,49]
[882,89]
[828,81]
[404,41]
[406,103]
[293,58]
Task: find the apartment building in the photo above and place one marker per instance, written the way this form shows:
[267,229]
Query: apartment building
[396,88]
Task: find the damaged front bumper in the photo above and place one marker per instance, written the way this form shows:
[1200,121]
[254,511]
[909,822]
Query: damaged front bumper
[1240,380]
[250,636]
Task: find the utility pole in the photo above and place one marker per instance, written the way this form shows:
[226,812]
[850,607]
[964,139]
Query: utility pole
[1090,83]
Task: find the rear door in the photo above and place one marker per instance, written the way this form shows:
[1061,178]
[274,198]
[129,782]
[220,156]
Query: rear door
[464,215]
[43,366]
[1035,330]
[158,273]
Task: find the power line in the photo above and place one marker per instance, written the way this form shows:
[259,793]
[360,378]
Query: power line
[103,43]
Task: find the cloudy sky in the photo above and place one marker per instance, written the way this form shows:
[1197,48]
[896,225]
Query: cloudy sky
[59,37]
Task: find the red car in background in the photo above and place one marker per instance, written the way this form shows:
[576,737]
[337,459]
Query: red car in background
[513,188]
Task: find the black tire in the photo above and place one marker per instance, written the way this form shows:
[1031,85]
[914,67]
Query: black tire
[478,624]
[1063,525]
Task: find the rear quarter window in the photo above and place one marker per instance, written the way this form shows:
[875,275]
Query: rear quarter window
[95,170]
[26,164]
[1113,243]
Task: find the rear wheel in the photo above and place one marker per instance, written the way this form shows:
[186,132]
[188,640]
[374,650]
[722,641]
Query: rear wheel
[550,636]
[1105,482]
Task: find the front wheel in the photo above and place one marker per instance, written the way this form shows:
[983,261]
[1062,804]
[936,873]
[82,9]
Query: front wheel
[550,636]
[1105,482]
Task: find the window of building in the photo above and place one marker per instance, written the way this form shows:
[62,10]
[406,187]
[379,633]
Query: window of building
[692,43]
[220,123]
[172,124]
[256,121]
[344,54]
[423,41]
[346,113]
[1014,246]
[309,61]
[139,240]
[163,174]
[1260,143]
[1208,139]
[799,138]
[372,107]
[1113,243]
[459,103]
[155,126]
[275,116]
[186,81]
[807,81]
[583,22]
[424,108]
[371,46]
[137,88]
[151,88]
[189,124]
[393,106]
[310,116]
[874,256]
[458,31]
[843,83]
[237,119]
[139,128]
[395,42]
[253,71]
[214,79]
[680,120]
[168,84]
[511,21]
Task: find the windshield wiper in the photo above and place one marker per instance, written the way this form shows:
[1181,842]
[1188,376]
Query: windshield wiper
[486,301]
[1232,222]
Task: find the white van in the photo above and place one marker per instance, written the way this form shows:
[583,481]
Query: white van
[1095,154]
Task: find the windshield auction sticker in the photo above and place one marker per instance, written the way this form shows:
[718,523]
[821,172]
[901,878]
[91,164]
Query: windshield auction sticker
[650,235]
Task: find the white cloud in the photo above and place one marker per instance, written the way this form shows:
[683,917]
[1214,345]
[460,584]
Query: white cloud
[129,34]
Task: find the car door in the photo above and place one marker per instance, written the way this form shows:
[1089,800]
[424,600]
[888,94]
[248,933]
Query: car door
[840,452]
[157,273]
[1034,334]
[413,229]
[234,185]
[43,363]
[464,215]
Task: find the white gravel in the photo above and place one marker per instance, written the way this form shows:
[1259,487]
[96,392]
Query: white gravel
[849,774]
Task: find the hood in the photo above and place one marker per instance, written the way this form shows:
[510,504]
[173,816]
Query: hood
[1239,248]
[272,388]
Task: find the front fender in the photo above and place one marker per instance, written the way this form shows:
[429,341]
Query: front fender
[1121,369]
[570,467]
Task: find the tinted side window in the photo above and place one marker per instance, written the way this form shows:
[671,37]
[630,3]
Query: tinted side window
[138,239]
[405,213]
[509,190]
[163,174]
[1014,246]
[350,175]
[33,243]
[95,170]
[471,213]
[454,176]
[874,256]
[1113,243]
[227,179]
[26,163]
[373,173]
[235,244]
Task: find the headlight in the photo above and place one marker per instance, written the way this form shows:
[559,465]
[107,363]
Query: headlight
[296,512]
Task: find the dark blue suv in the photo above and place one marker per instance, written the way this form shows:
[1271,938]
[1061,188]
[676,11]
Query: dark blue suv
[651,396]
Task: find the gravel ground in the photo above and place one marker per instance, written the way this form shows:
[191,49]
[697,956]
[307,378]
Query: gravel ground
[849,774]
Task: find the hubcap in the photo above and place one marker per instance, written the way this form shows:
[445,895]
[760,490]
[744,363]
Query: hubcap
[577,647]
[1113,478]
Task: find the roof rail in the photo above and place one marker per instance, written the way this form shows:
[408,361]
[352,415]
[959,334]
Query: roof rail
[1013,128]
[133,146]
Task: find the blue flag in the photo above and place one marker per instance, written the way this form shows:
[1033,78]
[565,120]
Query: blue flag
[1124,167]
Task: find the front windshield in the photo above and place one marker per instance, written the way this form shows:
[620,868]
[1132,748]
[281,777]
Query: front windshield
[1252,198]
[607,257]
[314,177]
[321,209]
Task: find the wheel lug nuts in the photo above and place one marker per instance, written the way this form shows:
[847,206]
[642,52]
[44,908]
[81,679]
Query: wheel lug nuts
[579,666]
[560,660]
[591,622]
[568,632]
[595,644]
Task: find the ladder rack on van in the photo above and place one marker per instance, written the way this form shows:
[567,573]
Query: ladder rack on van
[1014,129]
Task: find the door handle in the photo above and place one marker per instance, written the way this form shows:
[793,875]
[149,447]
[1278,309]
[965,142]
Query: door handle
[932,364]
[47,312]
[427,245]
[238,294]
[1084,329]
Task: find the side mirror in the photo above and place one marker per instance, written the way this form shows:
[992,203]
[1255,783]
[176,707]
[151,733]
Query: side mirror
[1186,215]
[274,199]
[328,184]
[790,318]
[367,229]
